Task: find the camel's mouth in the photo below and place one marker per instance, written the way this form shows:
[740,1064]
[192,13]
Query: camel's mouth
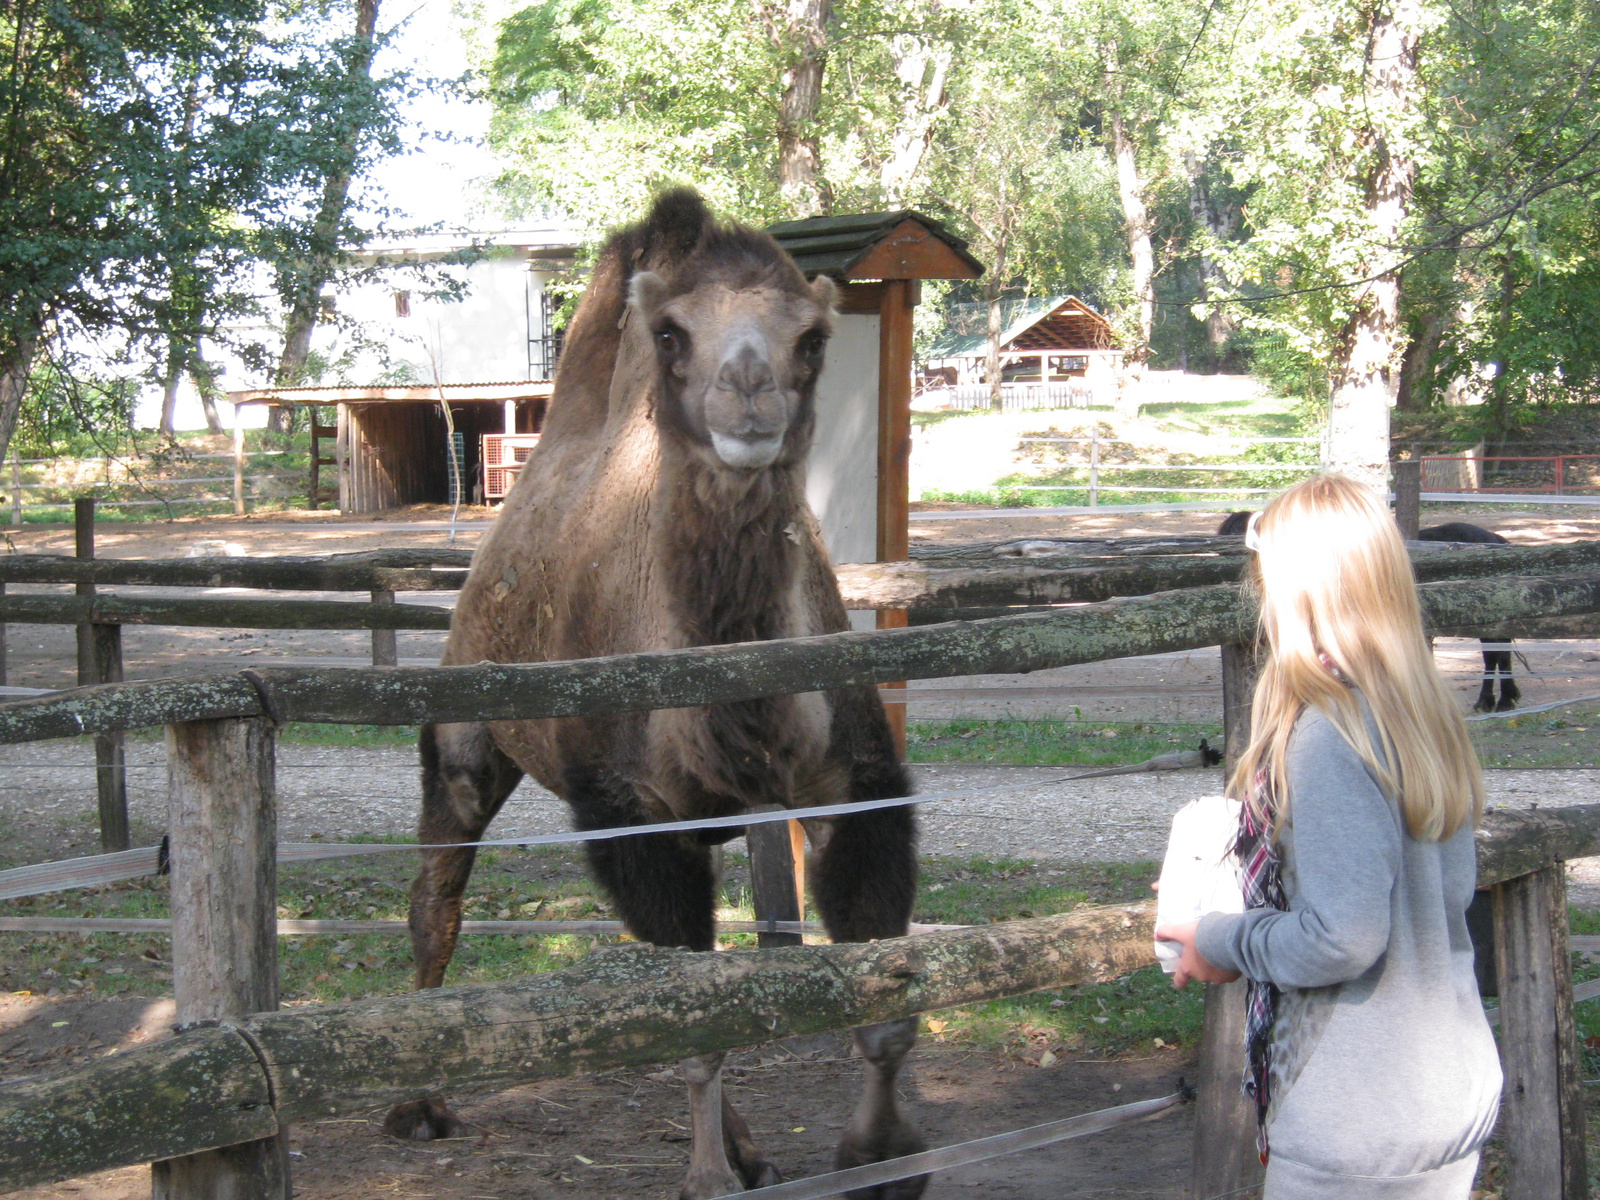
[746,454]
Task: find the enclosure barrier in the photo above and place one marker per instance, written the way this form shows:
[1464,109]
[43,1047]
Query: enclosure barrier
[631,1005]
[1179,620]
[220,749]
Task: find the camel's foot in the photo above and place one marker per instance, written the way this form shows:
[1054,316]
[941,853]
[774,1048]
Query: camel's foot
[753,1167]
[703,1183]
[857,1148]
[422,1120]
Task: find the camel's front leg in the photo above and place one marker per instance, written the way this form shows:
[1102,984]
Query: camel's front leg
[864,883]
[877,1130]
[710,1171]
[664,889]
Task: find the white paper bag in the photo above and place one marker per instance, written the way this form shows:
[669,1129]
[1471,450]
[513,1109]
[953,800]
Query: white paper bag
[1200,873]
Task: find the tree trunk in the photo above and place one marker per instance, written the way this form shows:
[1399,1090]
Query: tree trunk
[1367,375]
[169,394]
[994,287]
[1136,219]
[922,70]
[799,31]
[304,293]
[1219,228]
[206,384]
[16,363]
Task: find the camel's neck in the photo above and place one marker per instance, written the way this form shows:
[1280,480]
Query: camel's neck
[732,549]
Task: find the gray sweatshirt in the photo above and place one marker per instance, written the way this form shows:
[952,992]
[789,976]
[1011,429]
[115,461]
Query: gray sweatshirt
[1383,1065]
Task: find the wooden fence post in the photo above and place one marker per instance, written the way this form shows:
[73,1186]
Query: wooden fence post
[385,642]
[1408,496]
[1542,1114]
[772,879]
[1225,1157]
[100,661]
[238,465]
[224,826]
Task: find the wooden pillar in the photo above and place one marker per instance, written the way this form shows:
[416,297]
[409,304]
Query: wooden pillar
[341,454]
[100,661]
[223,821]
[2,641]
[1408,496]
[1225,1156]
[238,465]
[1542,1115]
[385,649]
[773,879]
[894,452]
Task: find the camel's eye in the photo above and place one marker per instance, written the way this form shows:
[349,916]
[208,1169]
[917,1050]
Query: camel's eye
[670,340]
[810,348]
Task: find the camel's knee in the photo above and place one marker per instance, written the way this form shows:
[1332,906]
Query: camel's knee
[887,1043]
[865,878]
[465,780]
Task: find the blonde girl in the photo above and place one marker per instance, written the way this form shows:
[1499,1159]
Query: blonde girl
[1373,1068]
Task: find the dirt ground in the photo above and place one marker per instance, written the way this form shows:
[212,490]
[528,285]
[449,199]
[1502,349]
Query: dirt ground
[621,1134]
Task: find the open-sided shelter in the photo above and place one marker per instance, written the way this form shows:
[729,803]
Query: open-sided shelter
[1055,352]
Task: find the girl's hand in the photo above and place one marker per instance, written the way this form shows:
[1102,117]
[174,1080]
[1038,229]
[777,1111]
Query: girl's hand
[1191,964]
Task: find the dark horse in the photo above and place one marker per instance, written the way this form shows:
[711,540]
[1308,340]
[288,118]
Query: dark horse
[1496,654]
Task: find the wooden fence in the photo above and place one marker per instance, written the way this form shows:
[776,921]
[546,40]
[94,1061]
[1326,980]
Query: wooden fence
[238,1082]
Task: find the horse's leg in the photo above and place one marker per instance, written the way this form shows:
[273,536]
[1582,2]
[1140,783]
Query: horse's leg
[664,889]
[1485,700]
[465,780]
[864,884]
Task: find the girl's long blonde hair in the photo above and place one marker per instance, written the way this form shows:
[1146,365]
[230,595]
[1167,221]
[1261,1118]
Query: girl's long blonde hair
[1334,578]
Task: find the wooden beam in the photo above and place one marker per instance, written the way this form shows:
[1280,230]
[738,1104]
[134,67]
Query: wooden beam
[397,570]
[1542,1116]
[1225,1159]
[773,883]
[894,421]
[224,830]
[1183,620]
[620,1006]
[222,613]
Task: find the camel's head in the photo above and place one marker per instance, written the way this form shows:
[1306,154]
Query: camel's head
[739,337]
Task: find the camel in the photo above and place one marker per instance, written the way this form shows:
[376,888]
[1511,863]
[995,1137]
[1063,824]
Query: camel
[663,508]
[1496,653]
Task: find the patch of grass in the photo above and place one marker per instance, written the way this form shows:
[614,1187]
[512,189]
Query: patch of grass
[1566,737]
[1047,743]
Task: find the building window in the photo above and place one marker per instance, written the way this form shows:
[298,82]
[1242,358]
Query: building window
[402,304]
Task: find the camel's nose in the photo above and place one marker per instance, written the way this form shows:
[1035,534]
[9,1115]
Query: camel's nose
[747,373]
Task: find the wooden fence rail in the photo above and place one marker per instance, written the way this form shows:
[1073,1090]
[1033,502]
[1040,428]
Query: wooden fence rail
[952,577]
[622,1006]
[1185,620]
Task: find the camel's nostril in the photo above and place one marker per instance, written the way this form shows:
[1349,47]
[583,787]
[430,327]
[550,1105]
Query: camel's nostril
[747,373]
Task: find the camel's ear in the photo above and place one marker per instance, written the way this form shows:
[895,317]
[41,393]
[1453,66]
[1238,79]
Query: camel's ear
[647,292]
[825,292]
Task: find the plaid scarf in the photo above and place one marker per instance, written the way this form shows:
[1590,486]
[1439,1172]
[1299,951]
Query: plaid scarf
[1259,877]
[1259,870]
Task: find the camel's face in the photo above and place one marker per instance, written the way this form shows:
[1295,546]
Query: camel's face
[738,367]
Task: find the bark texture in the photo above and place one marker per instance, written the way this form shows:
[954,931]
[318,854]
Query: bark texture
[1367,376]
